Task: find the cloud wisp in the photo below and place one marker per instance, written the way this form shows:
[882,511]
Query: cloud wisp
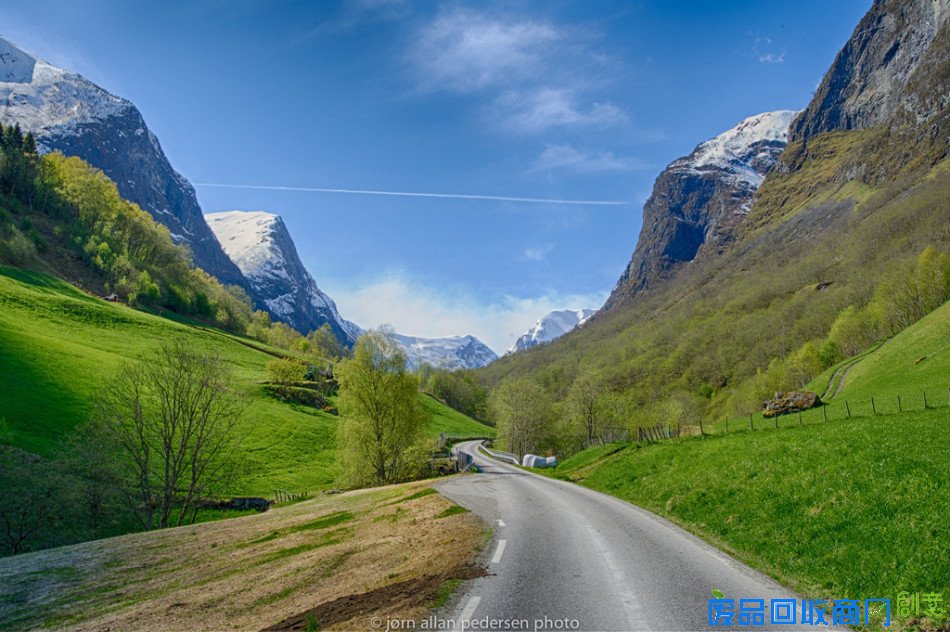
[449,196]
[569,158]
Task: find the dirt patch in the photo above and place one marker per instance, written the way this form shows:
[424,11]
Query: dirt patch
[356,610]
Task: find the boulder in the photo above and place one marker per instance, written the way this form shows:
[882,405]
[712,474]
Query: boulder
[790,402]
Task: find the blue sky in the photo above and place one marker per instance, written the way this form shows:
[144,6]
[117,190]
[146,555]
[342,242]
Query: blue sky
[554,100]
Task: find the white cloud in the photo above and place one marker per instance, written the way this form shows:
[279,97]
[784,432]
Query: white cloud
[569,158]
[539,110]
[538,253]
[465,51]
[419,310]
[760,52]
[533,75]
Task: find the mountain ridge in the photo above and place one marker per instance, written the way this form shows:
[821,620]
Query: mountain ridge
[550,327]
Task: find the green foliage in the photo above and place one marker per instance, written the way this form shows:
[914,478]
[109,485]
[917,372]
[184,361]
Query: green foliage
[524,417]
[459,389]
[385,420]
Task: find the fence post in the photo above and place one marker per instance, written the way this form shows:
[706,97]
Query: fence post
[702,433]
[873,409]
[775,419]
[751,425]
[925,400]
[848,408]
[824,412]
[900,409]
[669,431]
[727,425]
[799,418]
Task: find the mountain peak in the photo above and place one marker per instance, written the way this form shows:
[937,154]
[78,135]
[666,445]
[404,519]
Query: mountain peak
[263,250]
[16,66]
[450,352]
[699,200]
[550,327]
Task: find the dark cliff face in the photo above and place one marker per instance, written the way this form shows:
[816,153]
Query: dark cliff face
[127,152]
[866,83]
[700,200]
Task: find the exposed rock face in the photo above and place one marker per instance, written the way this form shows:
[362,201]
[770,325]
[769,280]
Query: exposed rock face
[698,201]
[453,352]
[70,114]
[262,248]
[866,83]
[790,402]
[550,327]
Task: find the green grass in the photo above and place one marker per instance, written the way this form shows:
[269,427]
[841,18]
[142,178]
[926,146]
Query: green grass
[58,345]
[451,511]
[452,422]
[854,509]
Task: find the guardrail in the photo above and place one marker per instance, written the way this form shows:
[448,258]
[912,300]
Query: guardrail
[502,456]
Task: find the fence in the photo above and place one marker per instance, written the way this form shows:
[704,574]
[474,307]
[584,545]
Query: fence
[283,496]
[610,434]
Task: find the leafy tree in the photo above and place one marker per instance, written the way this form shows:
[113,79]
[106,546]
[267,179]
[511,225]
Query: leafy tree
[383,415]
[324,343]
[522,410]
[284,372]
[584,404]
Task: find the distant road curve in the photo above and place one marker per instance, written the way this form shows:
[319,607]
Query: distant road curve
[564,552]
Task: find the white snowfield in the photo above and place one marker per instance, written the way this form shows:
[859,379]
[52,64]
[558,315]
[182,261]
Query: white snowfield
[44,98]
[551,327]
[732,151]
[452,352]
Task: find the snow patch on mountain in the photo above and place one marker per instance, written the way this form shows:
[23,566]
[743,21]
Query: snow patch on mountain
[452,353]
[47,99]
[263,250]
[741,150]
[551,327]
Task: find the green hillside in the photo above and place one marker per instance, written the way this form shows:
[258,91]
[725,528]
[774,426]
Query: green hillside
[58,345]
[452,422]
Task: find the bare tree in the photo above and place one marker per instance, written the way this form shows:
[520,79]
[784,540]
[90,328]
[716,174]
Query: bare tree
[584,404]
[176,420]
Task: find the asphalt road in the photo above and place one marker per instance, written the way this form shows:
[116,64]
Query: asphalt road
[561,552]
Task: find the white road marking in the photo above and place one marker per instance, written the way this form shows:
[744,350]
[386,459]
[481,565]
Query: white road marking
[468,611]
[501,523]
[499,551]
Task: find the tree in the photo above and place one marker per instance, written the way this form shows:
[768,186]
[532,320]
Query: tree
[176,422]
[584,405]
[30,514]
[522,411]
[324,343]
[284,372]
[383,416]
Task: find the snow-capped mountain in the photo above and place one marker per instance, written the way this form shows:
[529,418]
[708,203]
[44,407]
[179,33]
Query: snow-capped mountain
[68,113]
[454,352]
[698,201]
[551,327]
[262,248]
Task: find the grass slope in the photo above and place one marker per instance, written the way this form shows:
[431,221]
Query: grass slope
[58,344]
[452,422]
[332,562]
[852,509]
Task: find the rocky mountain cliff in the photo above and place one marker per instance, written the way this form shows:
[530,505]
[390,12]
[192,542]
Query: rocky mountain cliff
[453,352]
[699,200]
[261,247]
[550,327]
[68,113]
[867,82]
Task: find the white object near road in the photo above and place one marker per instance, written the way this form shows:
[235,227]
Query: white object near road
[532,460]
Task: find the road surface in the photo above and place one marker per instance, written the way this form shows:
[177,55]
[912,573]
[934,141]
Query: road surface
[561,552]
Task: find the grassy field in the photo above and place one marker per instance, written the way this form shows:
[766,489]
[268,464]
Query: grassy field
[58,344]
[330,563]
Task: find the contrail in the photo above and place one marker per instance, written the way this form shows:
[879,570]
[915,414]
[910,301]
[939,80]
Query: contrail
[452,196]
